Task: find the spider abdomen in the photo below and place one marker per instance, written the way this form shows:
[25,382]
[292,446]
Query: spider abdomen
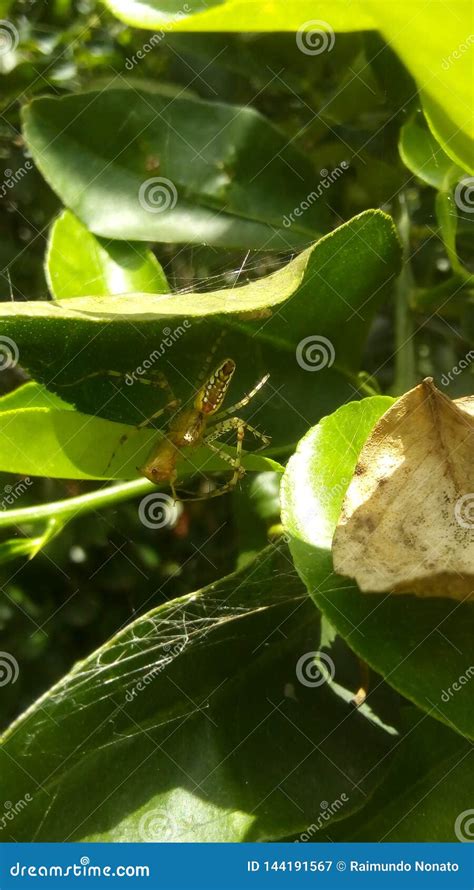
[210,397]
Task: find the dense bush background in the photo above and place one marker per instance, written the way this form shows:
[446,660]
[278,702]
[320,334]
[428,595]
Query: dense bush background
[359,109]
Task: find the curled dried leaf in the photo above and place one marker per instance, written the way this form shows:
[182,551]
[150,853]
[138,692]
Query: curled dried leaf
[407,522]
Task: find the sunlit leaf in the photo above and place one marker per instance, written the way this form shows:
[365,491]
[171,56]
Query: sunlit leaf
[419,646]
[170,725]
[80,265]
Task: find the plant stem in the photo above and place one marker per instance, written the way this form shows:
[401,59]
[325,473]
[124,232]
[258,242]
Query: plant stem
[84,503]
[405,364]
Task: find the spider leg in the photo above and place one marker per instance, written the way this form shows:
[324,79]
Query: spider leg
[235,462]
[204,372]
[139,426]
[156,379]
[223,426]
[245,400]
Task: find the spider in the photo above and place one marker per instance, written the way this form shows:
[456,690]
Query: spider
[201,424]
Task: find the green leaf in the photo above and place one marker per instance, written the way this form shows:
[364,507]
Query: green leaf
[447,215]
[28,547]
[423,155]
[234,15]
[71,445]
[441,64]
[456,143]
[329,294]
[80,265]
[427,788]
[170,725]
[179,170]
[32,395]
[420,646]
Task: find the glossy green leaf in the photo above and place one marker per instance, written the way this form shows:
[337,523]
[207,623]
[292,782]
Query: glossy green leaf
[71,445]
[420,646]
[172,170]
[426,790]
[423,155]
[441,65]
[447,215]
[456,143]
[80,265]
[170,723]
[329,294]
[33,395]
[235,15]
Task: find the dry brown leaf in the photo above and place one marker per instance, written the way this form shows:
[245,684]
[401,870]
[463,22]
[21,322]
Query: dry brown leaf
[407,522]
